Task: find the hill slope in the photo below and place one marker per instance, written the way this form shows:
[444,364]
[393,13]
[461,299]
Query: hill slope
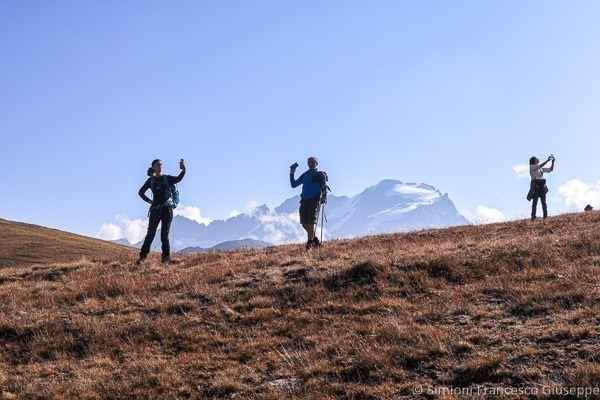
[25,243]
[497,307]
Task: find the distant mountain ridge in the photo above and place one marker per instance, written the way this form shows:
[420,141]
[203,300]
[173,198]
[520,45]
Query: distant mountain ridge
[229,245]
[390,206]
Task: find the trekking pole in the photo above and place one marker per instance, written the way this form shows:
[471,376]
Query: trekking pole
[323,217]
[317,226]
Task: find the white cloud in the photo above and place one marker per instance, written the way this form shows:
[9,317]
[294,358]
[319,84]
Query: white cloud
[135,230]
[424,194]
[109,232]
[191,212]
[234,213]
[484,215]
[281,228]
[251,208]
[467,214]
[575,194]
[522,171]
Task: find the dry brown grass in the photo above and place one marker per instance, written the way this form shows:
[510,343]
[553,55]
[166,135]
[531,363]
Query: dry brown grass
[31,244]
[491,306]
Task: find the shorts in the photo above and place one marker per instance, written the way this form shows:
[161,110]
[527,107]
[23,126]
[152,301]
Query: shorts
[309,211]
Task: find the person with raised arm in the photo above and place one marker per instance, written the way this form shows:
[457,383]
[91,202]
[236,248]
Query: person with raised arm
[538,188]
[314,193]
[161,207]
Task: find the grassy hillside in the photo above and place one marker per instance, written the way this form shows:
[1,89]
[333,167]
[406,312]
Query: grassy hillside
[25,243]
[512,306]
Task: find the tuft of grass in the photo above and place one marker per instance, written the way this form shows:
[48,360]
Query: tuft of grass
[478,370]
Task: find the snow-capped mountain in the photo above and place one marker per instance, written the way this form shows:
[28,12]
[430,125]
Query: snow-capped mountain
[390,206]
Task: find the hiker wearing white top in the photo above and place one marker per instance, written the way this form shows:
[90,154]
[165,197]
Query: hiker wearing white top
[538,188]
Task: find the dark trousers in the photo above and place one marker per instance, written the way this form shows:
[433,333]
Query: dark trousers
[542,196]
[164,215]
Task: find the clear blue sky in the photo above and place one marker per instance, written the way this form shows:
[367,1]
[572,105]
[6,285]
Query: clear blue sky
[454,94]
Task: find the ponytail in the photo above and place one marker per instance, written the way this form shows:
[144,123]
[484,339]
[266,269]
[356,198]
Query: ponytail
[151,169]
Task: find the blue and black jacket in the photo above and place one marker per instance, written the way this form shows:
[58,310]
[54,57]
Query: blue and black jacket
[160,191]
[314,184]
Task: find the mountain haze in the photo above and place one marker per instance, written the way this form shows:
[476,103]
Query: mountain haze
[229,245]
[388,207]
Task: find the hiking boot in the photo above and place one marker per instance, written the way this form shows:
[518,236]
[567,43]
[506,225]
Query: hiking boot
[309,244]
[140,260]
[316,242]
[165,260]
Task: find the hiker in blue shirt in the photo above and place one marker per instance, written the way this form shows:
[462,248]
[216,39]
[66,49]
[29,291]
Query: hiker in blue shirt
[161,207]
[314,193]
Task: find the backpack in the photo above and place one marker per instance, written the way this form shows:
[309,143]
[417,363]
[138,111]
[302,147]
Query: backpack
[173,192]
[322,178]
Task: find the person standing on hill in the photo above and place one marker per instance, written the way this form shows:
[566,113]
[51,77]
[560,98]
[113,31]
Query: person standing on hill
[161,207]
[314,193]
[538,188]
